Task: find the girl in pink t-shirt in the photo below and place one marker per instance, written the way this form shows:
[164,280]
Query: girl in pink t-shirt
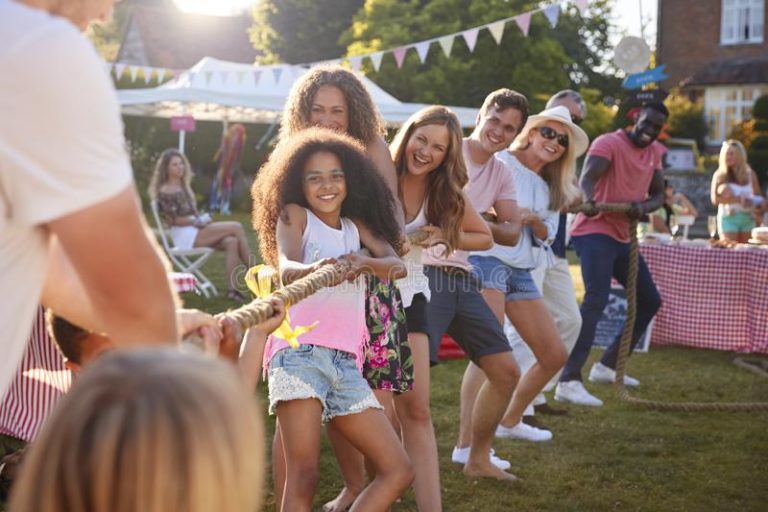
[317,200]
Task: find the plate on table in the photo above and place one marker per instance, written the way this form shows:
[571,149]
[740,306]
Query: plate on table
[755,241]
[659,237]
[695,242]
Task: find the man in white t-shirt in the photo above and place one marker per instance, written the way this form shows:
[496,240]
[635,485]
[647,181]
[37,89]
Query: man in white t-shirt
[71,231]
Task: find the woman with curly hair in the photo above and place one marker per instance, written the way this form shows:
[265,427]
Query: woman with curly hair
[320,199]
[427,152]
[171,189]
[335,98]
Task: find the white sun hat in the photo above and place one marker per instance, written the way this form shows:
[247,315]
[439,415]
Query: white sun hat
[578,137]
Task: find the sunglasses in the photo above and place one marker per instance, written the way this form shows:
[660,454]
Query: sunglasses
[551,134]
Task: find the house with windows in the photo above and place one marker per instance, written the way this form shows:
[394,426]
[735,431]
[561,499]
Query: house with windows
[717,51]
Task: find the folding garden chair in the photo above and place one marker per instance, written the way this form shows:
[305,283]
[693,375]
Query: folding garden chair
[186,260]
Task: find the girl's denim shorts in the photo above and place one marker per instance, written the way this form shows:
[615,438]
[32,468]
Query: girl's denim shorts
[329,375]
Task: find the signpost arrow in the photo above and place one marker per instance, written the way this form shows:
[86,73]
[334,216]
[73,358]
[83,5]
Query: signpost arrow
[637,80]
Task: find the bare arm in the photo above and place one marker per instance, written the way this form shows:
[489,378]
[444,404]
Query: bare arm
[655,194]
[658,224]
[383,262]
[475,232]
[594,168]
[120,269]
[714,194]
[685,203]
[506,230]
[378,151]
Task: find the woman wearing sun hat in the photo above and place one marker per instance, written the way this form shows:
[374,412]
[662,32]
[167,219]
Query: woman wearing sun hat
[541,160]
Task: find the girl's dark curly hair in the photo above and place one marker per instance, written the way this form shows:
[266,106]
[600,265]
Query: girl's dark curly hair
[280,182]
[365,123]
[445,204]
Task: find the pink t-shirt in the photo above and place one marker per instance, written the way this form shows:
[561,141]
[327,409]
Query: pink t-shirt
[488,183]
[627,180]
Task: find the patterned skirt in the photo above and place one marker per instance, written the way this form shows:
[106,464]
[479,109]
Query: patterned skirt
[388,363]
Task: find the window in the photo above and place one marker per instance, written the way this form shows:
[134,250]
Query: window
[742,21]
[726,106]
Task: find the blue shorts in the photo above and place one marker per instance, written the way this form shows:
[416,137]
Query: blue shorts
[329,375]
[736,222]
[514,283]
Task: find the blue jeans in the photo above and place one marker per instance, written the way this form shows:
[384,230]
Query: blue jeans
[602,257]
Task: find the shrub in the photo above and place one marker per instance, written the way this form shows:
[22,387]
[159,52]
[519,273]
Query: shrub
[758,147]
[686,119]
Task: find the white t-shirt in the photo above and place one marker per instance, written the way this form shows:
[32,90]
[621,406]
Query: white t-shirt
[61,150]
[533,194]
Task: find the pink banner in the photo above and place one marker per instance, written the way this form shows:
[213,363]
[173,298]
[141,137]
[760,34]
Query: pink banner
[399,54]
[524,22]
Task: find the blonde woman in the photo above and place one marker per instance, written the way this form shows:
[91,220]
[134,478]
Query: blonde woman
[171,189]
[736,193]
[148,431]
[541,160]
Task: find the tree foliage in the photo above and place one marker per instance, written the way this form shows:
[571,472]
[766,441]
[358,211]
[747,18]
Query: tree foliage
[296,31]
[538,65]
[686,118]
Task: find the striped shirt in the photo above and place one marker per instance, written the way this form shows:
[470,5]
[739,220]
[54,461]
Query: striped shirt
[41,379]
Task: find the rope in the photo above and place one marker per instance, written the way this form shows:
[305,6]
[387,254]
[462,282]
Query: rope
[626,335]
[259,310]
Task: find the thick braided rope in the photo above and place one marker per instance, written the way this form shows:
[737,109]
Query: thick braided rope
[260,310]
[626,338]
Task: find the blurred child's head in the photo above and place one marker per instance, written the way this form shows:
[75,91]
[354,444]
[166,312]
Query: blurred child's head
[150,430]
[79,347]
[281,182]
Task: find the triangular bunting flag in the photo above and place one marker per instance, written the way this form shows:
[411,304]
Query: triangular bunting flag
[208,75]
[191,77]
[147,71]
[119,70]
[399,54]
[446,43]
[224,77]
[240,75]
[470,36]
[161,75]
[497,30]
[355,62]
[582,5]
[256,76]
[524,22]
[133,70]
[552,13]
[422,49]
[375,59]
[277,73]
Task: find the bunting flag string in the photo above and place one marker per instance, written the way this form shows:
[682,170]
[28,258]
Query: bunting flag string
[496,28]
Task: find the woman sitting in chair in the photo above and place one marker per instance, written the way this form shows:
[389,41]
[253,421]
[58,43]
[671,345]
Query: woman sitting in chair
[170,188]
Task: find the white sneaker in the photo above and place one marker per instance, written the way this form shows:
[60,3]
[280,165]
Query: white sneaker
[573,391]
[604,375]
[525,432]
[461,456]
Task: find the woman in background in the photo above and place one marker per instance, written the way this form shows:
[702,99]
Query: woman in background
[736,193]
[171,190]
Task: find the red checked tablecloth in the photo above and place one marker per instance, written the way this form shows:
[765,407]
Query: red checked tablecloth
[711,298]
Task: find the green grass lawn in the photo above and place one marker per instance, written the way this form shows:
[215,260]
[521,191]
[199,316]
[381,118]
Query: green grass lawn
[616,457]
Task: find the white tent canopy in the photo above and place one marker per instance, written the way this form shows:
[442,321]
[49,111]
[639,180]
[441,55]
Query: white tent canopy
[219,90]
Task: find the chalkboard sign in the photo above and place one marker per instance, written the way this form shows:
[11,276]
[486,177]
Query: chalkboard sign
[612,322]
